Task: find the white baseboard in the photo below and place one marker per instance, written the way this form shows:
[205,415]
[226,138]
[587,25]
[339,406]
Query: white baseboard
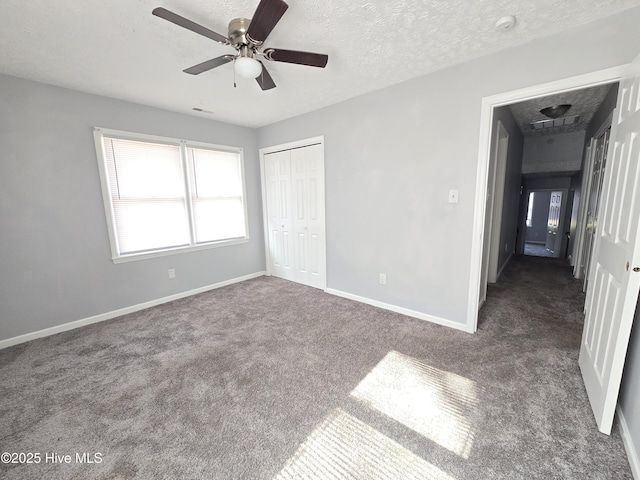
[404,311]
[122,311]
[632,452]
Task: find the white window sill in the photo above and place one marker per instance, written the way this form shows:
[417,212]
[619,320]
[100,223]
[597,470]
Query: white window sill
[175,251]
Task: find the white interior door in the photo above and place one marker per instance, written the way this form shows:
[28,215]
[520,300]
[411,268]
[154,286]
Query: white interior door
[307,170]
[553,221]
[614,282]
[277,171]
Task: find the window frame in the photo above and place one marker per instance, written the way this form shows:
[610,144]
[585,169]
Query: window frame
[99,133]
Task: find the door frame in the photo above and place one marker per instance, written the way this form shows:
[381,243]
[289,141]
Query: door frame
[600,77]
[497,202]
[307,142]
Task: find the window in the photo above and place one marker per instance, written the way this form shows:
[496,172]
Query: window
[165,195]
[530,209]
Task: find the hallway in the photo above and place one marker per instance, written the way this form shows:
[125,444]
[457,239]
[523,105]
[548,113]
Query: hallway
[534,314]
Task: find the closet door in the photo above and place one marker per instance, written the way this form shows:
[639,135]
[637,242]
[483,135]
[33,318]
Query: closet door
[307,179]
[277,168]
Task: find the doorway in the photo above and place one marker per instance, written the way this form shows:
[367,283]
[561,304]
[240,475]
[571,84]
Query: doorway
[489,104]
[613,296]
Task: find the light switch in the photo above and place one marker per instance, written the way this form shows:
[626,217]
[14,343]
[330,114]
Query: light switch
[453,196]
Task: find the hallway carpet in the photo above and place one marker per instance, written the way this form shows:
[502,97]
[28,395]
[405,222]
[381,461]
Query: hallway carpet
[271,379]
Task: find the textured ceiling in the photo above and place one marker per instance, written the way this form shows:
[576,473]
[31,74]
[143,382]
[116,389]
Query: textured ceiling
[118,49]
[583,102]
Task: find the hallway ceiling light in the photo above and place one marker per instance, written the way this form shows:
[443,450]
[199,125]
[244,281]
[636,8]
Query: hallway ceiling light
[556,111]
[556,122]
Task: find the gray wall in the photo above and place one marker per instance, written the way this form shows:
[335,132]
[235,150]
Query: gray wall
[553,153]
[55,255]
[630,391]
[537,232]
[513,174]
[392,155]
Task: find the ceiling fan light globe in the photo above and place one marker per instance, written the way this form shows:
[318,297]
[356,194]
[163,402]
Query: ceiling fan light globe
[247,67]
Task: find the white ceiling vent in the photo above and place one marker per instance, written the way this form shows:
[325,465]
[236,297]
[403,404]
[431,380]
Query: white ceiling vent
[555,122]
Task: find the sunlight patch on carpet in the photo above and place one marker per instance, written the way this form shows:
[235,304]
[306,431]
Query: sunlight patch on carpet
[437,404]
[345,447]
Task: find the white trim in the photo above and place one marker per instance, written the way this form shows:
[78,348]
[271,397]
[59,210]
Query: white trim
[600,77]
[109,132]
[501,156]
[305,142]
[394,308]
[630,448]
[174,251]
[9,342]
[265,215]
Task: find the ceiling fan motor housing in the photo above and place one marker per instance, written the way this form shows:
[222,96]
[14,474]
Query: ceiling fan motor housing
[238,32]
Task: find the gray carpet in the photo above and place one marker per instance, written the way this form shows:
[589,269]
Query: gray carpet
[270,379]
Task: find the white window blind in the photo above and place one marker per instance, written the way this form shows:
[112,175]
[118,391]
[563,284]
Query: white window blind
[216,191]
[165,194]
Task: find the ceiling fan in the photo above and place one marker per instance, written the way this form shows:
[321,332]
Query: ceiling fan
[247,37]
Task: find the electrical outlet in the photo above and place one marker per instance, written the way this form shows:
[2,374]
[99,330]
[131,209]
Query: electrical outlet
[383,279]
[172,273]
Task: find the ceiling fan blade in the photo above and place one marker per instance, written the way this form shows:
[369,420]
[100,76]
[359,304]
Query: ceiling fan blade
[264,79]
[295,56]
[267,15]
[189,25]
[209,64]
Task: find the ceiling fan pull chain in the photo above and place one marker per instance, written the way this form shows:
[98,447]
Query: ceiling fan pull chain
[234,73]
